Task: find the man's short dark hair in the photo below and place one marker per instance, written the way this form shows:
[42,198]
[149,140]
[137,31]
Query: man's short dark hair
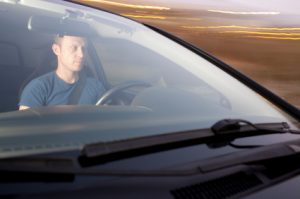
[57,38]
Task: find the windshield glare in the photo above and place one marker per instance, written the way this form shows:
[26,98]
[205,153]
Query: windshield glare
[158,82]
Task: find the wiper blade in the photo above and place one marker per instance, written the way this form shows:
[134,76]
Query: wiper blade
[223,131]
[237,125]
[231,127]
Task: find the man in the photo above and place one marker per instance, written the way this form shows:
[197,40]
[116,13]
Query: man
[57,87]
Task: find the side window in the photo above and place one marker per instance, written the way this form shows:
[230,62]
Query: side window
[9,56]
[10,76]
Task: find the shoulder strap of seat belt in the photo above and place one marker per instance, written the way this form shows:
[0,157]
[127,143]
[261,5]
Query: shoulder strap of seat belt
[76,93]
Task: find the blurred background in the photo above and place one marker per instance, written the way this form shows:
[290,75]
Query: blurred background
[260,38]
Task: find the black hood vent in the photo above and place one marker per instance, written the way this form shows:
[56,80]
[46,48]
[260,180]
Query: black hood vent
[219,188]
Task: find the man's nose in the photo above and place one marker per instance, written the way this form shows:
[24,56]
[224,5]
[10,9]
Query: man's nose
[80,52]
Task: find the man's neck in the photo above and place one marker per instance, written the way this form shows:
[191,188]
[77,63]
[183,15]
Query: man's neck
[67,76]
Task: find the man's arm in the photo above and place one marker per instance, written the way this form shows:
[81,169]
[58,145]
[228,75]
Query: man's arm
[32,95]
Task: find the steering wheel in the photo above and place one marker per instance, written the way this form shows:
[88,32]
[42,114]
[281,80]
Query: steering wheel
[118,88]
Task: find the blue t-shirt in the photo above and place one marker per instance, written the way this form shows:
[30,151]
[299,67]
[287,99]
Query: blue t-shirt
[49,89]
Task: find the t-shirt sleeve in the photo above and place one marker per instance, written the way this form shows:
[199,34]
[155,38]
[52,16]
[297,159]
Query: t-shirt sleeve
[33,94]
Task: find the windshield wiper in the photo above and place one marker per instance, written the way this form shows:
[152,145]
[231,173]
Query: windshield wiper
[232,126]
[229,125]
[222,132]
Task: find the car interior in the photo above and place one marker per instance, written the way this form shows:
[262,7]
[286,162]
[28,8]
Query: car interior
[26,53]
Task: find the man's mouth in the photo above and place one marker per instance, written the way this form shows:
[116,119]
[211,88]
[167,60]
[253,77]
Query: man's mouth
[78,62]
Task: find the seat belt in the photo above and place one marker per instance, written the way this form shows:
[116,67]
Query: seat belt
[76,93]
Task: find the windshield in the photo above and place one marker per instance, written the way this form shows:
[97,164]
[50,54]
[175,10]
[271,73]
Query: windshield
[84,76]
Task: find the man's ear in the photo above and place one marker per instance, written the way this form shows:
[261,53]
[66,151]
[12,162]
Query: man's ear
[56,49]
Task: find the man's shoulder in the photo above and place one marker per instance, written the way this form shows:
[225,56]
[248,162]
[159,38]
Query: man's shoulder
[41,81]
[46,77]
[34,93]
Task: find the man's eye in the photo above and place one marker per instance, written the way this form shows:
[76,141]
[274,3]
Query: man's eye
[73,48]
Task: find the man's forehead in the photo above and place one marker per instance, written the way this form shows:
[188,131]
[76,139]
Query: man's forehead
[74,39]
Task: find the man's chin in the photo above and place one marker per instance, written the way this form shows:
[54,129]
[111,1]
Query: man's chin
[77,68]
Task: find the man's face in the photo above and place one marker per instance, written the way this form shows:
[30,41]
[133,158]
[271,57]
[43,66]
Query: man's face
[70,52]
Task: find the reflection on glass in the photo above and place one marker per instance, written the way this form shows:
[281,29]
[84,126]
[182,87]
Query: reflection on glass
[128,5]
[280,38]
[266,35]
[145,16]
[241,27]
[244,13]
[226,32]
[263,33]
